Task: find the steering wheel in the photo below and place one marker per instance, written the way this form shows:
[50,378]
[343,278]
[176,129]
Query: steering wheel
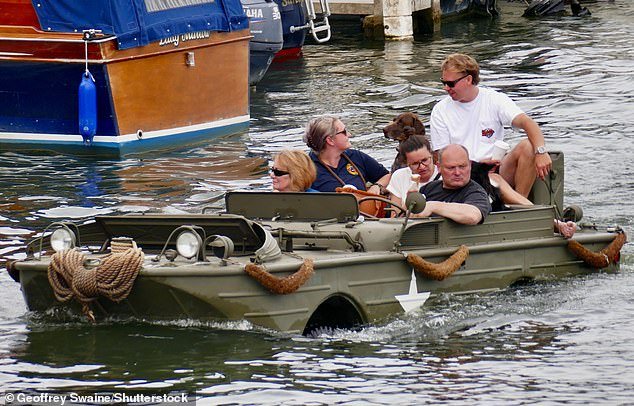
[401,209]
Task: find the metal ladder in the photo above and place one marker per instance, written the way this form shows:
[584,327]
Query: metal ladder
[319,26]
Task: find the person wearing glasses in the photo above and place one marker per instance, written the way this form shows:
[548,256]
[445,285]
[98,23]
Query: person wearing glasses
[419,171]
[337,163]
[475,117]
[292,171]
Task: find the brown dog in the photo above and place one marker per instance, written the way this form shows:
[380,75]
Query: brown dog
[401,128]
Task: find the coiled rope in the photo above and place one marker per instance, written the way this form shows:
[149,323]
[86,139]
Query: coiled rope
[603,258]
[281,286]
[112,278]
[442,270]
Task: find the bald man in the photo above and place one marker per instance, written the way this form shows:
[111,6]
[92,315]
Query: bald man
[455,196]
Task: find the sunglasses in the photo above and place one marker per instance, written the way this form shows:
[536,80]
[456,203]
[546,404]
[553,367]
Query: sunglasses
[452,83]
[278,172]
[422,162]
[344,131]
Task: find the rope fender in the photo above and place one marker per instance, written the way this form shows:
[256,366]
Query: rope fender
[281,286]
[442,270]
[603,258]
[112,278]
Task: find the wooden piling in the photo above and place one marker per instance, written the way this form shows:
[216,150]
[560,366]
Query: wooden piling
[392,19]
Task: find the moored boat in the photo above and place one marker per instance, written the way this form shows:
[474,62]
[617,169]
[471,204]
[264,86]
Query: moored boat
[461,8]
[299,18]
[299,261]
[265,24]
[159,74]
[541,8]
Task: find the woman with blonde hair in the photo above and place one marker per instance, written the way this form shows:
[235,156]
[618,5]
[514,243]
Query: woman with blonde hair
[293,171]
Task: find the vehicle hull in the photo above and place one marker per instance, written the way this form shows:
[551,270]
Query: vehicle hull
[510,247]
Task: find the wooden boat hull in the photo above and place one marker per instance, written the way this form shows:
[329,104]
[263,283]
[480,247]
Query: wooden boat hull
[149,97]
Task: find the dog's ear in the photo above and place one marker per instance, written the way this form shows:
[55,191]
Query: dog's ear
[403,119]
[419,128]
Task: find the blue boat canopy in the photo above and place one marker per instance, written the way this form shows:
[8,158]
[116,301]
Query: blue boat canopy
[140,22]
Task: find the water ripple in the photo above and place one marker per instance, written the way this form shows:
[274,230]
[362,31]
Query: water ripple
[552,342]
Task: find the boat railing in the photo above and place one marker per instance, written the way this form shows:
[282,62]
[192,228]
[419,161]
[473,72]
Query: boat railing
[315,26]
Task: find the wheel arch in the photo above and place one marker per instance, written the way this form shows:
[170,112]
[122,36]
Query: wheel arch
[336,311]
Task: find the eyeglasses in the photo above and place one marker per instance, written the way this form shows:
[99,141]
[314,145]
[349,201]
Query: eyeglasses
[344,131]
[278,172]
[422,162]
[452,83]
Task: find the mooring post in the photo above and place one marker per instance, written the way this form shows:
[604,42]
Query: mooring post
[436,14]
[373,24]
[394,19]
[397,19]
[429,18]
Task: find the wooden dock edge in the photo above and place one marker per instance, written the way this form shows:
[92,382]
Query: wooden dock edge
[391,19]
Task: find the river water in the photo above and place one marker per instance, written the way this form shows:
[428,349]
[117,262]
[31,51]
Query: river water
[565,341]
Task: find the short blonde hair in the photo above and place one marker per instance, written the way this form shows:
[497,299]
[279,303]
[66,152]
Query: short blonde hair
[300,168]
[462,63]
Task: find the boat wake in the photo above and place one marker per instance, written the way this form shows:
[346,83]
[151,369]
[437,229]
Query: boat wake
[504,312]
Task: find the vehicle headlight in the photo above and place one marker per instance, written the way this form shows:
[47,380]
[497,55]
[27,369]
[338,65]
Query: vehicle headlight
[62,239]
[188,244]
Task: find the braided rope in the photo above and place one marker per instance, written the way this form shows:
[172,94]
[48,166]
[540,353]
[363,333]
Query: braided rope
[442,270]
[112,278]
[121,244]
[601,259]
[281,286]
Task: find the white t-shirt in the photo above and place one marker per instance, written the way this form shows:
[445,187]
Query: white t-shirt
[476,125]
[401,181]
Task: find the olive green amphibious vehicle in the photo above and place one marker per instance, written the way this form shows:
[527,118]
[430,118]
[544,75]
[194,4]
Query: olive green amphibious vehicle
[297,261]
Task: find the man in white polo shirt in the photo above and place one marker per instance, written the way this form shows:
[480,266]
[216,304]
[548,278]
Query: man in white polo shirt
[475,117]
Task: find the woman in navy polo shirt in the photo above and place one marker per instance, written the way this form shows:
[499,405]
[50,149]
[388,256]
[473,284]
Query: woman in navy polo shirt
[337,164]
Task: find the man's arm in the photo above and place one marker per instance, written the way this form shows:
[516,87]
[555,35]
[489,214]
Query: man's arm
[462,213]
[543,162]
